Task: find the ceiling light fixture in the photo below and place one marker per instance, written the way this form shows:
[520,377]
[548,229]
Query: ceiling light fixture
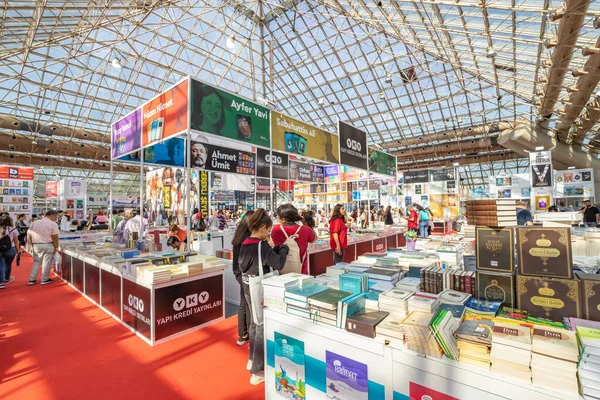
[388,78]
[230,42]
[322,101]
[456,164]
[491,53]
[571,167]
[116,63]
[382,96]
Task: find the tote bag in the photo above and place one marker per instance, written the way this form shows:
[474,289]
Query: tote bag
[256,289]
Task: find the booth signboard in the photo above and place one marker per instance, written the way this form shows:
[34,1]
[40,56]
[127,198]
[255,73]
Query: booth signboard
[11,172]
[170,152]
[421,176]
[295,137]
[575,183]
[127,134]
[331,171]
[222,159]
[51,189]
[166,115]
[382,163]
[224,114]
[541,169]
[353,146]
[264,159]
[443,174]
[300,171]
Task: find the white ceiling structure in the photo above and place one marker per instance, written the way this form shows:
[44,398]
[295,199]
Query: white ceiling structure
[400,70]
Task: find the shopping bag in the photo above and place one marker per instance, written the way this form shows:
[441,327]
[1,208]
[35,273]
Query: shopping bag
[57,262]
[256,290]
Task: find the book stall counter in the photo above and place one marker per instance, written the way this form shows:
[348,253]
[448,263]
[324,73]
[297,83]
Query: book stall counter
[314,356]
[175,304]
[320,255]
[442,226]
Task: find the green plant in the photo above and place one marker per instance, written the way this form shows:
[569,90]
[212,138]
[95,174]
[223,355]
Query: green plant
[410,234]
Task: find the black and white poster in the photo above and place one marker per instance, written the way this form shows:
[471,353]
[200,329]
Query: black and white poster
[353,146]
[187,305]
[222,159]
[264,159]
[421,176]
[541,175]
[300,171]
[443,174]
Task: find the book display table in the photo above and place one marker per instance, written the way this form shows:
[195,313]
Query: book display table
[154,312]
[390,372]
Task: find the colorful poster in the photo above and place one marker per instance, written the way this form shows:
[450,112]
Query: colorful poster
[346,378]
[224,114]
[76,189]
[353,146]
[79,204]
[127,134]
[295,137]
[222,159]
[442,174]
[203,192]
[170,152]
[419,392]
[165,115]
[331,171]
[382,163]
[11,172]
[51,189]
[79,214]
[300,171]
[289,367]
[166,192]
[70,204]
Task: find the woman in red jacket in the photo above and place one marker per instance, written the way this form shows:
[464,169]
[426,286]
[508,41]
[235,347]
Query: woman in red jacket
[338,233]
[413,218]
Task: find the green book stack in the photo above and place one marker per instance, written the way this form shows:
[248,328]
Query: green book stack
[443,325]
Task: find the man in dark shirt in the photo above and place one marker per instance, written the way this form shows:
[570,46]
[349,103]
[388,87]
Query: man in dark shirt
[523,214]
[591,214]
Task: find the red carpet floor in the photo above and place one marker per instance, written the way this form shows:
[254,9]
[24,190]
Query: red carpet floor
[55,344]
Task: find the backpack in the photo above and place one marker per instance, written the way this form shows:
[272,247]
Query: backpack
[199,225]
[5,242]
[293,263]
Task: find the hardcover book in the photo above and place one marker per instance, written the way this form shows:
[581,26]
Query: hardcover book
[328,299]
[289,367]
[590,290]
[495,249]
[511,335]
[553,299]
[365,322]
[545,252]
[494,286]
[475,331]
[346,378]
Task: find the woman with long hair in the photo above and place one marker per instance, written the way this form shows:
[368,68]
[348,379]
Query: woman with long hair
[338,233]
[7,256]
[289,218]
[241,233]
[388,218]
[260,225]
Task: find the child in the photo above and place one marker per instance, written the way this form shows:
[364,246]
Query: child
[260,225]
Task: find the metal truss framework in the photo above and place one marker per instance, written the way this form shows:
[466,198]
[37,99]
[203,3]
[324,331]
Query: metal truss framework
[474,62]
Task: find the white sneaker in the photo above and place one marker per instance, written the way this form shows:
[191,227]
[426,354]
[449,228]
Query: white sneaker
[249,365]
[257,379]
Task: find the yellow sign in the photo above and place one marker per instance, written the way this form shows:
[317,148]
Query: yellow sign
[295,137]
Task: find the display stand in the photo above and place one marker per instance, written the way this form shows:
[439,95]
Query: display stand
[16,188]
[72,198]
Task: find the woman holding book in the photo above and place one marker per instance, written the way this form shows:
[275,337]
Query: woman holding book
[249,262]
[338,233]
[244,319]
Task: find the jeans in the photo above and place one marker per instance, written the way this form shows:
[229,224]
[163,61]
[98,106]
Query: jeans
[424,229]
[43,254]
[6,260]
[244,317]
[338,258]
[591,225]
[257,342]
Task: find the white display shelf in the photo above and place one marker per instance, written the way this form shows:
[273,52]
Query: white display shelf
[392,366]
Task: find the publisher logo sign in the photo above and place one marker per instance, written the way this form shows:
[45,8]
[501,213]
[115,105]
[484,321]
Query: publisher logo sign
[13,173]
[137,304]
[353,144]
[191,300]
[273,159]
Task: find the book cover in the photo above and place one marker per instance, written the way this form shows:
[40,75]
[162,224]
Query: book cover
[289,367]
[553,299]
[494,249]
[478,306]
[590,295]
[558,343]
[453,297]
[494,286]
[364,323]
[512,335]
[328,298]
[346,378]
[475,331]
[545,252]
[301,293]
[457,310]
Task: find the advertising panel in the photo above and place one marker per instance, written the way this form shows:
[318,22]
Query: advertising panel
[382,163]
[264,159]
[295,137]
[541,169]
[136,307]
[127,134]
[300,171]
[203,192]
[421,176]
[331,171]
[222,159]
[575,183]
[51,189]
[442,174]
[10,172]
[226,115]
[165,115]
[353,146]
[170,152]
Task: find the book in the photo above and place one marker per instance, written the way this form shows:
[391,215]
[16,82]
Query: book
[287,280]
[390,327]
[349,306]
[495,286]
[457,310]
[510,354]
[590,288]
[290,367]
[302,293]
[549,298]
[354,282]
[327,299]
[345,378]
[364,323]
[411,284]
[558,343]
[482,307]
[449,296]
[382,274]
[443,327]
[545,252]
[476,332]
[495,249]
[511,335]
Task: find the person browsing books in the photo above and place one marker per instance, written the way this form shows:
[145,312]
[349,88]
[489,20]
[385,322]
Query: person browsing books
[288,229]
[338,233]
[591,214]
[179,233]
[260,225]
[524,216]
[244,320]
[423,223]
[413,218]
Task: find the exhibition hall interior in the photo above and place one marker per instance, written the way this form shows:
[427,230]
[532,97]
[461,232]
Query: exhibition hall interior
[300,199]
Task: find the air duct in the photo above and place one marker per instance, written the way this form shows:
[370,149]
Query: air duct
[15,124]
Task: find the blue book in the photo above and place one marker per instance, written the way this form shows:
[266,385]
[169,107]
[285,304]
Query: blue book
[354,283]
[482,307]
[349,306]
[457,310]
[301,293]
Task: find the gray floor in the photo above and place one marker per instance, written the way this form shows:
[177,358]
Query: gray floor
[231,309]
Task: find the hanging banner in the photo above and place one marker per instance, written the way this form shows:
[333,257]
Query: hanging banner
[541,169]
[300,171]
[127,134]
[51,189]
[223,114]
[443,174]
[295,137]
[203,192]
[264,159]
[170,152]
[166,115]
[222,159]
[10,172]
[382,163]
[353,146]
[421,176]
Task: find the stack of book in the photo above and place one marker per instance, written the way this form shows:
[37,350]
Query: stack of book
[418,337]
[365,260]
[449,296]
[335,270]
[296,299]
[349,306]
[410,284]
[443,325]
[225,253]
[474,342]
[354,282]
[554,359]
[157,275]
[390,329]
[323,306]
[589,363]
[192,268]
[511,351]
[425,302]
[383,274]
[468,231]
[457,310]
[395,302]
[365,322]
[500,212]
[328,280]
[481,309]
[435,280]
[274,289]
